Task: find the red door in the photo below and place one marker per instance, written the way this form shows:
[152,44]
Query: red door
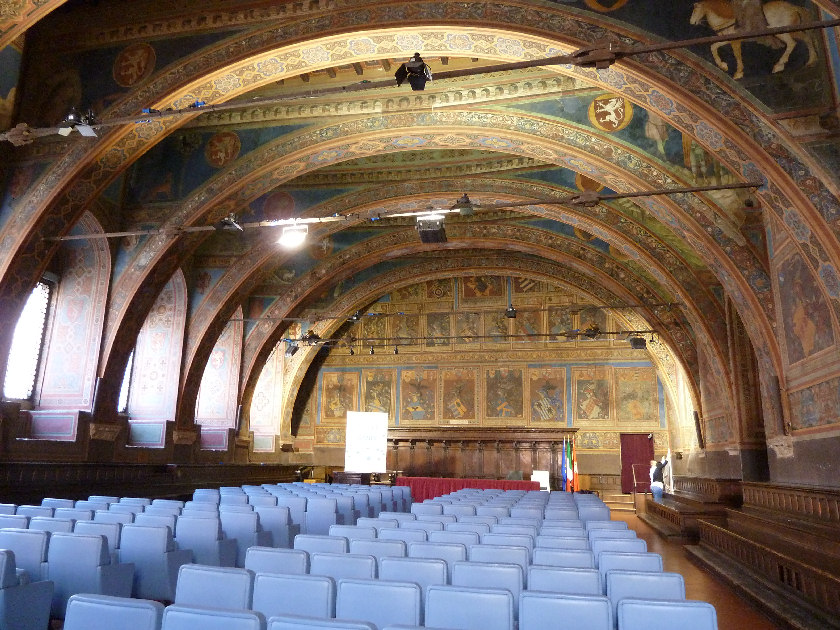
[636,449]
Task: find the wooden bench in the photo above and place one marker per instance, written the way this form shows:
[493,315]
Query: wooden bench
[781,549]
[677,516]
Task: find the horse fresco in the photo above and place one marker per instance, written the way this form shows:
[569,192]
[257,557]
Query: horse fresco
[720,16]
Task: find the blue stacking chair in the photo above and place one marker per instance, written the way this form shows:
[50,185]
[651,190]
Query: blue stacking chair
[467,526]
[76,514]
[222,587]
[426,508]
[516,540]
[565,580]
[424,572]
[204,536]
[156,520]
[156,560]
[245,529]
[8,508]
[353,532]
[15,521]
[320,514]
[593,512]
[590,525]
[308,595]
[631,545]
[111,531]
[78,563]
[277,520]
[449,536]
[594,534]
[57,503]
[51,524]
[24,604]
[448,552]
[271,560]
[179,617]
[30,549]
[491,575]
[379,602]
[500,553]
[104,612]
[541,611]
[612,560]
[643,585]
[562,542]
[469,608]
[644,614]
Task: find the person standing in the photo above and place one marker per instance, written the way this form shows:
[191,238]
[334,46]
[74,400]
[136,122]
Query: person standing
[657,479]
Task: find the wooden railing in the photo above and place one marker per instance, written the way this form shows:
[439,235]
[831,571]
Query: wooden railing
[811,584]
[819,504]
[709,490]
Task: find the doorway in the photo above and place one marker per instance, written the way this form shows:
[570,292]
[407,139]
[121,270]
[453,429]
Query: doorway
[636,450]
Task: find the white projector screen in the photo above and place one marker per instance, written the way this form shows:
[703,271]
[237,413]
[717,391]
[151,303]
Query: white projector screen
[366,442]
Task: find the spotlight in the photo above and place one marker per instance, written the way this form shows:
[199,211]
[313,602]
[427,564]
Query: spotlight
[430,228]
[291,349]
[371,350]
[416,71]
[464,206]
[510,312]
[355,317]
[396,350]
[293,236]
[229,224]
[351,352]
[311,338]
[81,123]
[637,343]
[592,332]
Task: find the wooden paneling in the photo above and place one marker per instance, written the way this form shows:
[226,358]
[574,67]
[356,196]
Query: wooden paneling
[817,504]
[479,453]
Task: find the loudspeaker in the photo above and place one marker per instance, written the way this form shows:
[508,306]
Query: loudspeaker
[638,343]
[431,230]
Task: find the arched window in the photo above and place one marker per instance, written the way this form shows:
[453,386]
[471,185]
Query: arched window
[125,388]
[28,343]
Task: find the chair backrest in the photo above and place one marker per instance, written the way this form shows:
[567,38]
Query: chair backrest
[51,524]
[342,565]
[593,512]
[561,513]
[517,540]
[463,538]
[168,503]
[309,595]
[406,535]
[8,508]
[297,622]
[200,506]
[262,499]
[491,575]
[639,614]
[426,508]
[459,509]
[156,520]
[178,617]
[235,499]
[643,585]
[76,514]
[486,520]
[272,560]
[379,602]
[462,526]
[68,552]
[105,516]
[35,510]
[136,501]
[573,558]
[500,553]
[426,526]
[448,552]
[492,510]
[163,510]
[592,612]
[353,532]
[87,504]
[315,543]
[590,525]
[221,587]
[566,580]
[57,503]
[111,531]
[379,548]
[507,528]
[562,542]
[126,508]
[377,523]
[137,541]
[527,512]
[30,549]
[296,505]
[19,521]
[632,545]
[424,572]
[398,516]
[620,560]
[469,608]
[105,612]
[8,573]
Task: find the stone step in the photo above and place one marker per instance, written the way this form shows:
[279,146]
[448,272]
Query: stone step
[618,498]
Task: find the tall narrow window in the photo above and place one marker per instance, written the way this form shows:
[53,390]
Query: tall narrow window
[27,345]
[125,388]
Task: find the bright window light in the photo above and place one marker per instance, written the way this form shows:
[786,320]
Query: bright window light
[26,345]
[125,388]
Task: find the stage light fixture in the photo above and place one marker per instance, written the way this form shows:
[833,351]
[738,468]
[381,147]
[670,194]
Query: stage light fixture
[416,71]
[352,352]
[430,228]
[371,350]
[291,349]
[592,332]
[396,350]
[510,312]
[637,343]
[293,236]
[464,206]
[229,224]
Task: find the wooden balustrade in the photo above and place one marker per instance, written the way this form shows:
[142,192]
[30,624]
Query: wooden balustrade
[806,503]
[709,490]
